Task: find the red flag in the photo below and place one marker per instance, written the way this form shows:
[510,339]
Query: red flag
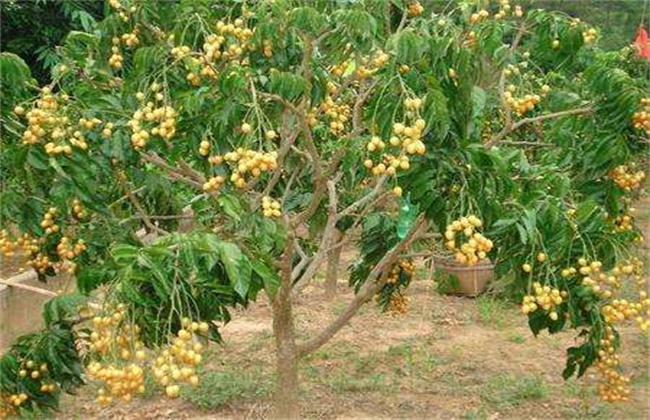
[641,43]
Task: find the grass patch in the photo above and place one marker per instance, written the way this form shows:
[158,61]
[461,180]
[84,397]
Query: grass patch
[493,312]
[343,382]
[219,388]
[516,338]
[478,414]
[506,391]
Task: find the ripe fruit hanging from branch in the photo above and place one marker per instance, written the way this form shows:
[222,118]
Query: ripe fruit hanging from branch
[277,124]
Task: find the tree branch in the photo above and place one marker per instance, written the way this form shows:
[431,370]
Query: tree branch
[363,200]
[174,172]
[371,286]
[138,206]
[507,130]
[326,240]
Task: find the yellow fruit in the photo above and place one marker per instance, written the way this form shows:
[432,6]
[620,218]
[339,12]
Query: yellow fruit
[397,191]
[541,257]
[172,391]
[527,268]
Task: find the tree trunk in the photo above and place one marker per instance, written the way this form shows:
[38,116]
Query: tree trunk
[287,400]
[332,274]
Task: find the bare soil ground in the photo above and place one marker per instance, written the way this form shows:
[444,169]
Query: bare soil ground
[449,357]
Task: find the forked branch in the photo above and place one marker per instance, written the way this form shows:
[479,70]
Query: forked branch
[374,283]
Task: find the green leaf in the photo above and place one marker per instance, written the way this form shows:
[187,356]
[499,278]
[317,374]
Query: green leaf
[269,277]
[479,98]
[237,265]
[62,308]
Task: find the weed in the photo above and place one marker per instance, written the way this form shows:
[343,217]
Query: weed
[479,414]
[516,338]
[218,388]
[492,312]
[505,391]
[343,382]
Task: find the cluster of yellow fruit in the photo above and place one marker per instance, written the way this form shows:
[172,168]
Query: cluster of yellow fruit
[620,310]
[476,246]
[505,8]
[77,139]
[31,369]
[43,118]
[181,51]
[9,404]
[641,119]
[414,9]
[412,104]
[204,148]
[237,34]
[41,263]
[229,43]
[479,16]
[28,369]
[245,162]
[67,250]
[164,116]
[45,122]
[546,298]
[613,385]
[116,60]
[389,164]
[339,69]
[523,104]
[117,382]
[606,285]
[369,66]
[111,333]
[25,243]
[271,207]
[589,36]
[404,265]
[398,305]
[338,113]
[178,362]
[625,178]
[624,223]
[122,11]
[409,138]
[48,222]
[130,39]
[78,210]
[406,138]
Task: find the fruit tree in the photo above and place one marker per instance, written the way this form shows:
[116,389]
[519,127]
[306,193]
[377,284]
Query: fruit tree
[190,155]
